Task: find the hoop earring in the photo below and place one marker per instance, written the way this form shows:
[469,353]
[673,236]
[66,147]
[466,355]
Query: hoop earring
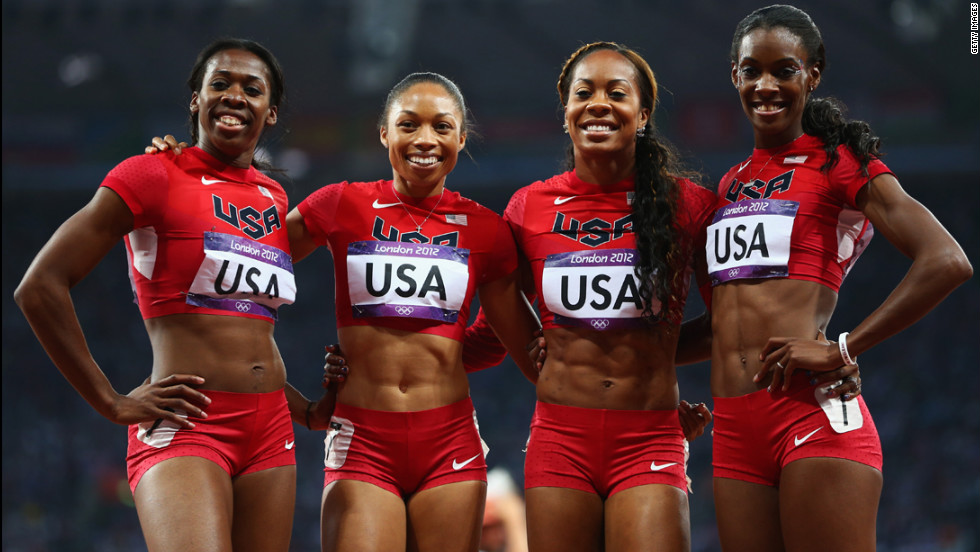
[564,127]
[641,132]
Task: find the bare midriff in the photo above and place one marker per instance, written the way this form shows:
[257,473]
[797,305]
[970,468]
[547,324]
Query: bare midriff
[617,370]
[231,353]
[401,371]
[746,313]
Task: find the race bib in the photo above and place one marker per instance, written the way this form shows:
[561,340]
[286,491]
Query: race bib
[407,280]
[843,415]
[596,289]
[750,239]
[242,275]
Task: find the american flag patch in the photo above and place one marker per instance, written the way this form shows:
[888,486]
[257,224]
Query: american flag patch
[795,159]
[456,219]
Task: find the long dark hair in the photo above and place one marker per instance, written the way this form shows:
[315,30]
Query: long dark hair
[659,270]
[277,88]
[825,118]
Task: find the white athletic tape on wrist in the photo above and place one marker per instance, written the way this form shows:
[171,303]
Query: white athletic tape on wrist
[844,354]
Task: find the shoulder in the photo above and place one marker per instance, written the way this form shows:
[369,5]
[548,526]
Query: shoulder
[143,167]
[694,192]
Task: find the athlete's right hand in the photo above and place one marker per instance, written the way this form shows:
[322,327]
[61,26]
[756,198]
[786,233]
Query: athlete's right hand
[165,143]
[159,399]
[334,366]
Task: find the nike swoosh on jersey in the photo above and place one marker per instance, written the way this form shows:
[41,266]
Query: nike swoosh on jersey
[207,181]
[289,444]
[459,465]
[797,441]
[377,205]
[559,200]
[655,467]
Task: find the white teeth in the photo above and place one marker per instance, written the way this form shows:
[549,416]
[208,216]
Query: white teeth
[598,128]
[768,107]
[228,120]
[423,160]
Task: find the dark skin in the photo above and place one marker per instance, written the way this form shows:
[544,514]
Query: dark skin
[767,330]
[185,503]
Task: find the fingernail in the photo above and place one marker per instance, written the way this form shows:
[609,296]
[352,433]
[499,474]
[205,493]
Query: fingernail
[847,396]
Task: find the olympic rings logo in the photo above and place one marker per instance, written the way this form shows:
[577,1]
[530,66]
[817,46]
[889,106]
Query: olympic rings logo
[243,306]
[600,324]
[404,311]
[733,273]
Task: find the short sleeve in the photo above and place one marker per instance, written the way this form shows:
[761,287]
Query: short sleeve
[503,257]
[320,209]
[143,184]
[514,213]
[848,175]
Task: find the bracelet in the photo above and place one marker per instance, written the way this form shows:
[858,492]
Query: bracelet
[846,356]
[308,408]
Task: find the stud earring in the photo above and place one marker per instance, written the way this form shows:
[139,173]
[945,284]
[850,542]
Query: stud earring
[641,132]
[564,127]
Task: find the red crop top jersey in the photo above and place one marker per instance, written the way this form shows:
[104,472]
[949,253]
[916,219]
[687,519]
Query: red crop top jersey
[578,238]
[208,238]
[404,263]
[779,216]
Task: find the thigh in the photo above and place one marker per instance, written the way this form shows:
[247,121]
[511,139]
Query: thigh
[829,504]
[185,505]
[748,516]
[447,517]
[648,517]
[563,520]
[360,516]
[264,505]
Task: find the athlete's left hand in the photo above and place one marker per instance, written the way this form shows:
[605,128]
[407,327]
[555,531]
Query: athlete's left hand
[537,350]
[784,355]
[168,142]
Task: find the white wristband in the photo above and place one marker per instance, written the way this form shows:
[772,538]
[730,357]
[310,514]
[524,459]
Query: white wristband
[846,356]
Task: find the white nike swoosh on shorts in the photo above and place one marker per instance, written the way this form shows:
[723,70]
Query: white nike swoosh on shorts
[797,441]
[460,465]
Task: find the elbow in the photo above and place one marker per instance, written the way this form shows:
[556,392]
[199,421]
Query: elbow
[24,294]
[959,267]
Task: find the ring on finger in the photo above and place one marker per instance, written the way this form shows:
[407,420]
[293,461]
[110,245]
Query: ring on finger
[780,364]
[327,357]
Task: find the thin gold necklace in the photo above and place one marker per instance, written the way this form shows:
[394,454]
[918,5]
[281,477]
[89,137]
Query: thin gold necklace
[418,226]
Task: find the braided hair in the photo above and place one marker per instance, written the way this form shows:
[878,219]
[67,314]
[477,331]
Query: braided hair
[657,170]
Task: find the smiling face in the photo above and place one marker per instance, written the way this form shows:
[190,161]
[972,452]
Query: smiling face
[604,108]
[774,81]
[233,106]
[423,134]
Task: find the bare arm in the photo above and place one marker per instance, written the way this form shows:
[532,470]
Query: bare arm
[301,242]
[938,267]
[512,319]
[44,297]
[694,342]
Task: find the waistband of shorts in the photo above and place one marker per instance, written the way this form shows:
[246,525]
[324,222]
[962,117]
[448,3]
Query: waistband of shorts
[226,401]
[392,419]
[800,384]
[579,416]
